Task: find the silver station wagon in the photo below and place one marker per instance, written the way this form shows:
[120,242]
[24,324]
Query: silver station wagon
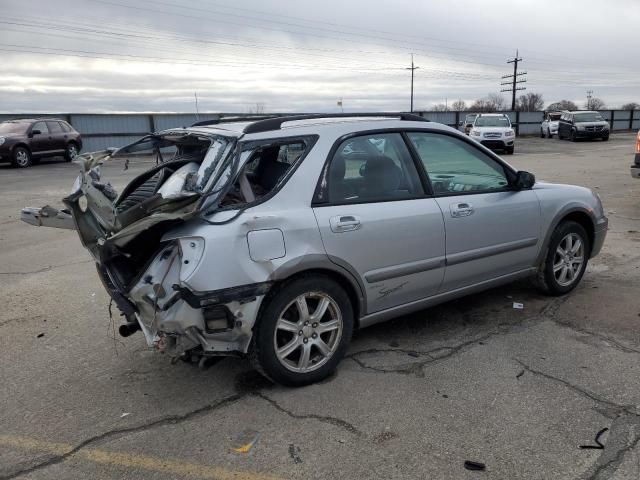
[275,239]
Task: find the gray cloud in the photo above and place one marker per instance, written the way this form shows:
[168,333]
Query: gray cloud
[104,55]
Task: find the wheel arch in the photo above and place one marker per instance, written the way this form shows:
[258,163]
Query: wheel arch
[21,144]
[579,215]
[321,265]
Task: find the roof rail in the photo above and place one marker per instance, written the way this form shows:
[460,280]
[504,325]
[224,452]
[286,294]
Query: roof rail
[216,121]
[275,123]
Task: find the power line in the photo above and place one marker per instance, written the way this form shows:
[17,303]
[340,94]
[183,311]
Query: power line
[515,79]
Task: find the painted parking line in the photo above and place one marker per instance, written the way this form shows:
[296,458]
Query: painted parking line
[132,460]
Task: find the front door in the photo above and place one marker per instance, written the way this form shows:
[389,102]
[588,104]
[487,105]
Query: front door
[40,141]
[491,229]
[376,221]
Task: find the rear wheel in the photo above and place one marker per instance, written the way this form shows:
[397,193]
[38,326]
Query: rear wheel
[542,133]
[71,151]
[21,157]
[566,259]
[303,331]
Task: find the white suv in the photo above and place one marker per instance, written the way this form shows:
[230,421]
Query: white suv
[494,131]
[276,238]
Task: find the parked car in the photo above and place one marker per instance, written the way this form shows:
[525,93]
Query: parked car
[549,126]
[24,141]
[635,168]
[494,130]
[467,123]
[275,239]
[577,124]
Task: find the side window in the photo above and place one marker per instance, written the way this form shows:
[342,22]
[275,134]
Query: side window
[42,126]
[372,168]
[457,167]
[54,127]
[264,170]
[65,127]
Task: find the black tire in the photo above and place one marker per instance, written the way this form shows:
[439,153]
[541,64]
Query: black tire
[509,150]
[71,151]
[21,157]
[605,139]
[542,135]
[572,136]
[545,279]
[549,135]
[559,135]
[262,351]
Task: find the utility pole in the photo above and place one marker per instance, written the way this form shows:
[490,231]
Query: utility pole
[195,94]
[589,97]
[412,68]
[514,80]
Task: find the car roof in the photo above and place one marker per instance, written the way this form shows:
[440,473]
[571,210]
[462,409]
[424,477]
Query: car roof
[31,120]
[493,115]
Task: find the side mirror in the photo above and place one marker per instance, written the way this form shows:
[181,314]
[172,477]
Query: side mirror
[524,180]
[36,132]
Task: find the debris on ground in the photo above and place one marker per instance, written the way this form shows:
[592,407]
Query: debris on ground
[246,441]
[125,414]
[470,465]
[520,374]
[294,453]
[599,445]
[518,306]
[413,354]
[40,335]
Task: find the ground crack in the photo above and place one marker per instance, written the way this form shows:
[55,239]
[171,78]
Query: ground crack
[45,269]
[168,420]
[338,422]
[614,343]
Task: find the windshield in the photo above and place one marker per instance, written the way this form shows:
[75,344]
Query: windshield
[588,117]
[470,118]
[492,122]
[13,127]
[554,117]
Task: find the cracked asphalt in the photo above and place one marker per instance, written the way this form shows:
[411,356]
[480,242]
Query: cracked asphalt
[473,379]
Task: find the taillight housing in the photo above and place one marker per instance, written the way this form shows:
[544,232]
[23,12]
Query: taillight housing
[638,143]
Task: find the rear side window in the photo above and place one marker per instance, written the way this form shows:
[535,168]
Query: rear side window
[371,168]
[457,167]
[65,127]
[54,127]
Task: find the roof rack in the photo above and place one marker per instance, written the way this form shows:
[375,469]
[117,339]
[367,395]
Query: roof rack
[216,121]
[276,122]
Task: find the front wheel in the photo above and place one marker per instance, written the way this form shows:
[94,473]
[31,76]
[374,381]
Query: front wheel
[605,138]
[542,135]
[566,259]
[21,157]
[509,150]
[303,331]
[573,136]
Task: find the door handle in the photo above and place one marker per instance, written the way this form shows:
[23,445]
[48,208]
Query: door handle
[344,223]
[461,209]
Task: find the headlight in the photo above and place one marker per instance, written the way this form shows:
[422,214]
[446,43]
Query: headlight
[475,133]
[604,127]
[1,140]
[580,127]
[509,133]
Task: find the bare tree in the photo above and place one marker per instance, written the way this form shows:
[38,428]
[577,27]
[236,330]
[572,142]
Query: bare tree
[490,103]
[631,106]
[594,103]
[497,101]
[562,105]
[439,107]
[531,102]
[459,105]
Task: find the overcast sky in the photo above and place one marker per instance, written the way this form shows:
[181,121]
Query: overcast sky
[277,55]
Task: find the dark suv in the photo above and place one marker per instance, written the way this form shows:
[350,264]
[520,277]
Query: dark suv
[575,125]
[28,140]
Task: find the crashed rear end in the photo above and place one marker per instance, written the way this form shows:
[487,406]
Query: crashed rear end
[141,266]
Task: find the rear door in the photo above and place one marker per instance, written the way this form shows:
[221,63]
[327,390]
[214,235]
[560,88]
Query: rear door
[40,142]
[57,136]
[376,220]
[491,230]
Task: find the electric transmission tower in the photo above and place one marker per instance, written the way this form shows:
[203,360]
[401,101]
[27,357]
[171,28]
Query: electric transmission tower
[516,78]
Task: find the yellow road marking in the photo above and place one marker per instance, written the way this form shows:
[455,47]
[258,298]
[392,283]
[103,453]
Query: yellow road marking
[131,460]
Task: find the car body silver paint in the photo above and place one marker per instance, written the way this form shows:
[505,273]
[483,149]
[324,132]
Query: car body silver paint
[398,261]
[266,245]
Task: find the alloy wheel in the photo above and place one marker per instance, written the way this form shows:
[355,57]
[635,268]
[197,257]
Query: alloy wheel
[308,332]
[22,158]
[568,259]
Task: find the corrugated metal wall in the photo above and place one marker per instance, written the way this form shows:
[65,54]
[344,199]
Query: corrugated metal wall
[101,131]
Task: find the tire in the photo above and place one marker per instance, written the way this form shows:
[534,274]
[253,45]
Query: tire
[21,157]
[542,135]
[559,135]
[572,136]
[550,278]
[549,135]
[509,151]
[605,139]
[283,314]
[71,151]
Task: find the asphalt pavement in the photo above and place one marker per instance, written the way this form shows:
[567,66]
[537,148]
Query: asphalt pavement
[518,390]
